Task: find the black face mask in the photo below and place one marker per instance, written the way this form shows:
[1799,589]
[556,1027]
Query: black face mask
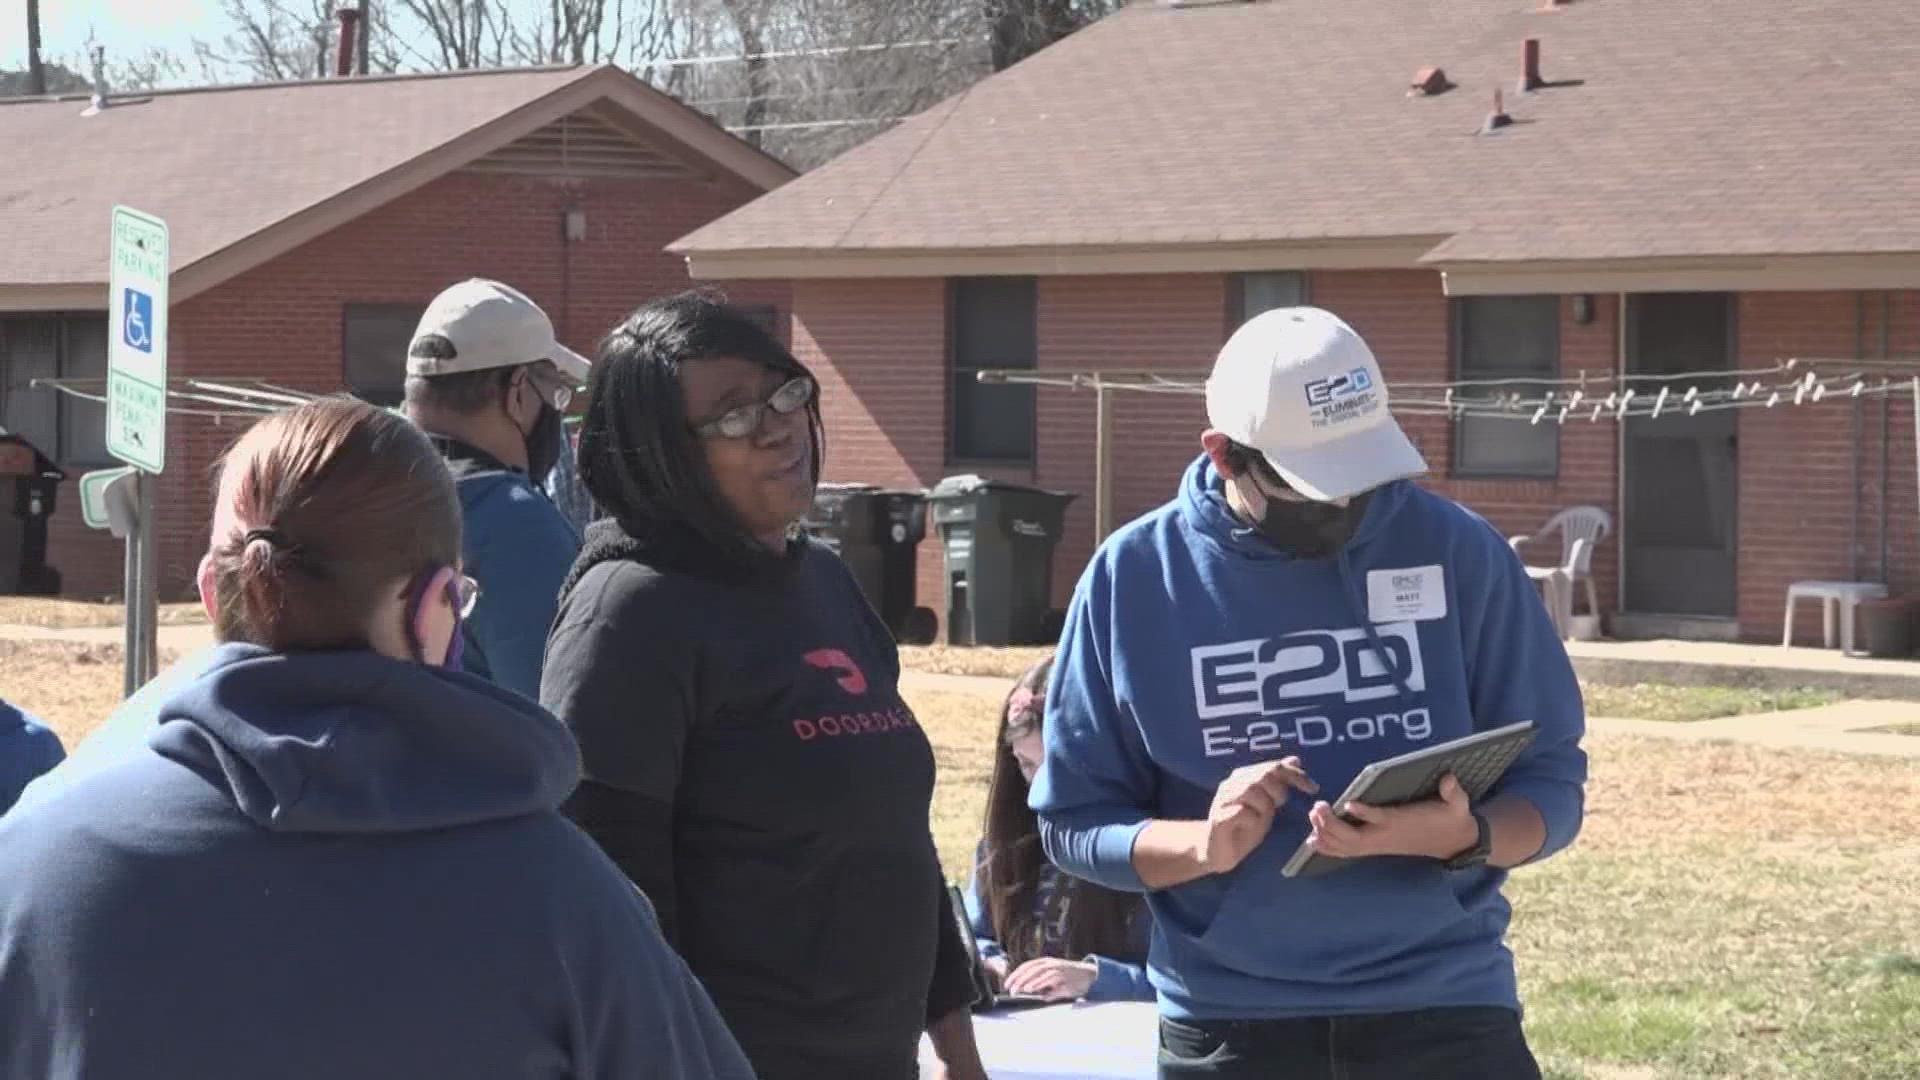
[1311,530]
[543,445]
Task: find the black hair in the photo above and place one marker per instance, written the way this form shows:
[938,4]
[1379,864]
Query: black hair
[640,458]
[465,393]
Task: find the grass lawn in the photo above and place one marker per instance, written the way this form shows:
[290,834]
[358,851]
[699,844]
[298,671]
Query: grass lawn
[1716,918]
[1652,701]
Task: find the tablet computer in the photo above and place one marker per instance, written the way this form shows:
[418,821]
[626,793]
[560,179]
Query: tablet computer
[1476,761]
[985,997]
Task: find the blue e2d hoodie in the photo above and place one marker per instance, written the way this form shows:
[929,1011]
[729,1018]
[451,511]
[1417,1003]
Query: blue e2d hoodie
[327,865]
[1194,647]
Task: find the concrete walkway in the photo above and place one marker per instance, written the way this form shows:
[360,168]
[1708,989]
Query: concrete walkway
[1772,667]
[1835,728]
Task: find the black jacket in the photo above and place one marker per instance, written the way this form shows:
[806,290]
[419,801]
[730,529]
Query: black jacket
[749,762]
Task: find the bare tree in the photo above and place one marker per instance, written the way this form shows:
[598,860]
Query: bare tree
[1020,28]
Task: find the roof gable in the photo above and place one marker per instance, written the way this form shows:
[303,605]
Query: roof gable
[242,175]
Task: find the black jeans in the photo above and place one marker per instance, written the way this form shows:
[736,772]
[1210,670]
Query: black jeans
[1468,1043]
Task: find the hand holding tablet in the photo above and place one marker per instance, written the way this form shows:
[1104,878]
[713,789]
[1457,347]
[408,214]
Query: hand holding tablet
[1475,762]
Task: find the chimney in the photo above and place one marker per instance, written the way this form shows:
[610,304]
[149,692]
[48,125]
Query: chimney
[344,56]
[1498,118]
[1530,79]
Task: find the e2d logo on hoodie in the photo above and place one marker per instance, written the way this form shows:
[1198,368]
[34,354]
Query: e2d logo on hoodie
[1308,688]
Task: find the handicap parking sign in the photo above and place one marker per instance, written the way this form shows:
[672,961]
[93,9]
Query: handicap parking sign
[137,328]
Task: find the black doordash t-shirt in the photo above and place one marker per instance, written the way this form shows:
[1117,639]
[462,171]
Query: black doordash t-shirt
[750,763]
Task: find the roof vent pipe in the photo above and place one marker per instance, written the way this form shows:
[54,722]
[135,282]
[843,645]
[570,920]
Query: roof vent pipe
[344,56]
[1530,79]
[1498,118]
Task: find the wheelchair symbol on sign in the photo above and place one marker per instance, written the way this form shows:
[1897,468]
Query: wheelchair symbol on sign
[138,328]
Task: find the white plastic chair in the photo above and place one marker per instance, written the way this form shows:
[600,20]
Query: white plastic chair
[1581,529]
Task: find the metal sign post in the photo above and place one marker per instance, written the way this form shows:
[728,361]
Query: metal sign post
[137,412]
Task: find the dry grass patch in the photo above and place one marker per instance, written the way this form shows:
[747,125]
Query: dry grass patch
[1725,912]
[1657,701]
[51,613]
[73,688]
[1008,663]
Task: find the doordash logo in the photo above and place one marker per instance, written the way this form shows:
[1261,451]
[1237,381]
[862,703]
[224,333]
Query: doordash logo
[850,677]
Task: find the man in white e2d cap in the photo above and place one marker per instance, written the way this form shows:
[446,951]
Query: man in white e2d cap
[488,380]
[1232,660]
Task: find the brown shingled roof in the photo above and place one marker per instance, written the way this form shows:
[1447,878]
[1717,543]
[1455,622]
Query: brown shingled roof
[1699,128]
[227,167]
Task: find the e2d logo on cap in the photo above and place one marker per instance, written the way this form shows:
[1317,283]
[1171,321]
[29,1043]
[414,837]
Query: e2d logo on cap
[1329,390]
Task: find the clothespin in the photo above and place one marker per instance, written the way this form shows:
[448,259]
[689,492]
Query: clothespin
[1773,399]
[1858,386]
[1596,413]
[1799,393]
[1538,413]
[1626,399]
[1447,401]
[1819,391]
[1660,402]
[1574,401]
[1563,413]
[1739,389]
[1694,409]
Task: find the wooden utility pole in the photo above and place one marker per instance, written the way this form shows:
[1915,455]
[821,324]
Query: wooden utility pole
[36,70]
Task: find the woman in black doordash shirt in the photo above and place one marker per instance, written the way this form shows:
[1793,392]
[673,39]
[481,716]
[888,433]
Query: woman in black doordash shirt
[747,757]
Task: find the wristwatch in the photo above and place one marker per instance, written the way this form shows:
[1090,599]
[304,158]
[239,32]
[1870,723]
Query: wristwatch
[1482,846]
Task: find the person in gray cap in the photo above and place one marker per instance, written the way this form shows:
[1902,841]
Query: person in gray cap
[488,381]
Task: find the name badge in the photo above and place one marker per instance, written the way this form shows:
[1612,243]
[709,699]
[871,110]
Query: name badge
[1416,594]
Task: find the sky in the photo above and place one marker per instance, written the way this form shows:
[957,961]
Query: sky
[125,27]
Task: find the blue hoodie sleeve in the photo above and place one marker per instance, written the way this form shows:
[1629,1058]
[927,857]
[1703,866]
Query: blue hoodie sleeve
[1095,789]
[1517,669]
[1118,979]
[637,1009]
[519,548]
[977,916]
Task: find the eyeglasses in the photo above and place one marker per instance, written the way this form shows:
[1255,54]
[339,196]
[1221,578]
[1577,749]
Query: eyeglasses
[466,594]
[741,422]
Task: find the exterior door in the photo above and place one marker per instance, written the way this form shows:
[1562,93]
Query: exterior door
[1680,475]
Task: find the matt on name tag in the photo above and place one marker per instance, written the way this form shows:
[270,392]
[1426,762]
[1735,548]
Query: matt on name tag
[1413,594]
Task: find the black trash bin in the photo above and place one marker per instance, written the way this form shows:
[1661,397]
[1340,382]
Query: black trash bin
[998,540]
[877,533]
[29,481]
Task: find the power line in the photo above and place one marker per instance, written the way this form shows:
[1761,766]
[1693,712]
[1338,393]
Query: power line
[787,54]
[800,125]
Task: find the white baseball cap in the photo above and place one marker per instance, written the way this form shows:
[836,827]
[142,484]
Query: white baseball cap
[1299,386]
[490,325]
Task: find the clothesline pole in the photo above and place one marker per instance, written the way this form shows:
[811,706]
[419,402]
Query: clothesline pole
[1103,460]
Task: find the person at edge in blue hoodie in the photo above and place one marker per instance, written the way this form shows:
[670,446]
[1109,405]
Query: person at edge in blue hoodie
[1040,931]
[339,856]
[487,378]
[27,751]
[1232,660]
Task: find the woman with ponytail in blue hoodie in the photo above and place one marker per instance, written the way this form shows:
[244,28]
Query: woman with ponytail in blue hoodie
[1233,660]
[338,855]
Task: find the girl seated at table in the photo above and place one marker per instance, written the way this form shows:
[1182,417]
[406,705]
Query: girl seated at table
[1042,932]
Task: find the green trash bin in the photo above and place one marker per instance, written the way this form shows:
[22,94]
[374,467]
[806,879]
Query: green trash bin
[998,539]
[877,533]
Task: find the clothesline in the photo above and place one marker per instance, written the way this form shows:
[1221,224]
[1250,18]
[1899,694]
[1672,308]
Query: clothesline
[1584,396]
[227,397]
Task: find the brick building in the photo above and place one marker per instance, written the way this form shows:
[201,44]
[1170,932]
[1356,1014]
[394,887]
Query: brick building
[310,225]
[1705,188]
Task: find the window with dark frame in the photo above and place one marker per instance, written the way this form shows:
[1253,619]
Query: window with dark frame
[1514,338]
[994,326]
[1253,293]
[374,340]
[71,430]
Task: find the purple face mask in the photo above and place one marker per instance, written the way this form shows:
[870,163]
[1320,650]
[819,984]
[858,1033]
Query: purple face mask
[417,596]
